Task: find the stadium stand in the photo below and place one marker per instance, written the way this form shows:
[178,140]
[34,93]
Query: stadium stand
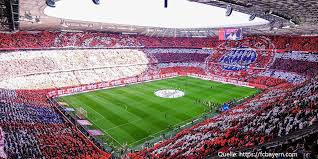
[182,61]
[238,63]
[268,81]
[61,69]
[307,68]
[40,40]
[37,130]
[55,69]
[238,127]
[34,128]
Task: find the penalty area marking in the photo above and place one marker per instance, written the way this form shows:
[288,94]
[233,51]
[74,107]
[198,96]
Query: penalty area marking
[123,124]
[186,122]
[109,135]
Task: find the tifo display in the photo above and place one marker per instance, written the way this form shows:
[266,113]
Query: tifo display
[103,95]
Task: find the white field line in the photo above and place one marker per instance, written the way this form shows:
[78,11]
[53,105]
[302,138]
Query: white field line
[98,98]
[116,86]
[152,135]
[125,109]
[102,129]
[109,135]
[101,116]
[123,124]
[149,136]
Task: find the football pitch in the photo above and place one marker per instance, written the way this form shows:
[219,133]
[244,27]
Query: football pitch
[133,114]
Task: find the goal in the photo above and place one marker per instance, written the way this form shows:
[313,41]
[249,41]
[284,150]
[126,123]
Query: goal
[81,112]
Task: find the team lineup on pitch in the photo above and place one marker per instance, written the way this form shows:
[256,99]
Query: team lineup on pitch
[136,113]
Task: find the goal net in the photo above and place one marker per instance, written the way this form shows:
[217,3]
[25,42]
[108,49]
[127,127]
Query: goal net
[81,113]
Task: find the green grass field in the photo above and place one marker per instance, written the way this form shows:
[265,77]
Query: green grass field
[133,114]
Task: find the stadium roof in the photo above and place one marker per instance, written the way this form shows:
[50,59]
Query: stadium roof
[180,14]
[285,18]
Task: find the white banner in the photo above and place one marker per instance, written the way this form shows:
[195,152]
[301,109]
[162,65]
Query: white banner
[109,84]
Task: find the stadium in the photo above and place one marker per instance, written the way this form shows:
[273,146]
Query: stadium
[168,79]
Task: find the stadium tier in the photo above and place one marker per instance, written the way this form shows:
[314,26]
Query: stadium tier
[39,40]
[279,112]
[37,68]
[67,68]
[33,128]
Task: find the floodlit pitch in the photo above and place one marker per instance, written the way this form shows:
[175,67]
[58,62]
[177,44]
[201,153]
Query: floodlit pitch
[134,114]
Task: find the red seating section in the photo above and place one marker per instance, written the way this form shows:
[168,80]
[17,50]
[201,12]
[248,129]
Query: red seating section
[267,81]
[182,70]
[40,40]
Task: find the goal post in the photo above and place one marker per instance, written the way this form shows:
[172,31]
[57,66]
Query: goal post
[81,112]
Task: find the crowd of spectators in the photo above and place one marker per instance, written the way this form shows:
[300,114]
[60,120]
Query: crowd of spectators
[180,61]
[2,152]
[39,40]
[300,66]
[296,55]
[180,58]
[63,60]
[275,112]
[177,51]
[266,80]
[47,69]
[220,62]
[32,128]
[295,43]
[39,131]
[183,70]
[279,75]
[292,67]
[280,111]
[306,147]
[60,68]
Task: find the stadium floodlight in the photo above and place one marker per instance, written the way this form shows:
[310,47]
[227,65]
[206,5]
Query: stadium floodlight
[50,3]
[229,10]
[252,17]
[97,2]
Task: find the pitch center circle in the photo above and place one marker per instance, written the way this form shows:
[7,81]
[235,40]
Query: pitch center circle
[169,93]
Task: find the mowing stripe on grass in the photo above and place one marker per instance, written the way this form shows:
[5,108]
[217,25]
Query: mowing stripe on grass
[134,114]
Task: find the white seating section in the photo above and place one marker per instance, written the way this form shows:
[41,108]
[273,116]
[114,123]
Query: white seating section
[46,69]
